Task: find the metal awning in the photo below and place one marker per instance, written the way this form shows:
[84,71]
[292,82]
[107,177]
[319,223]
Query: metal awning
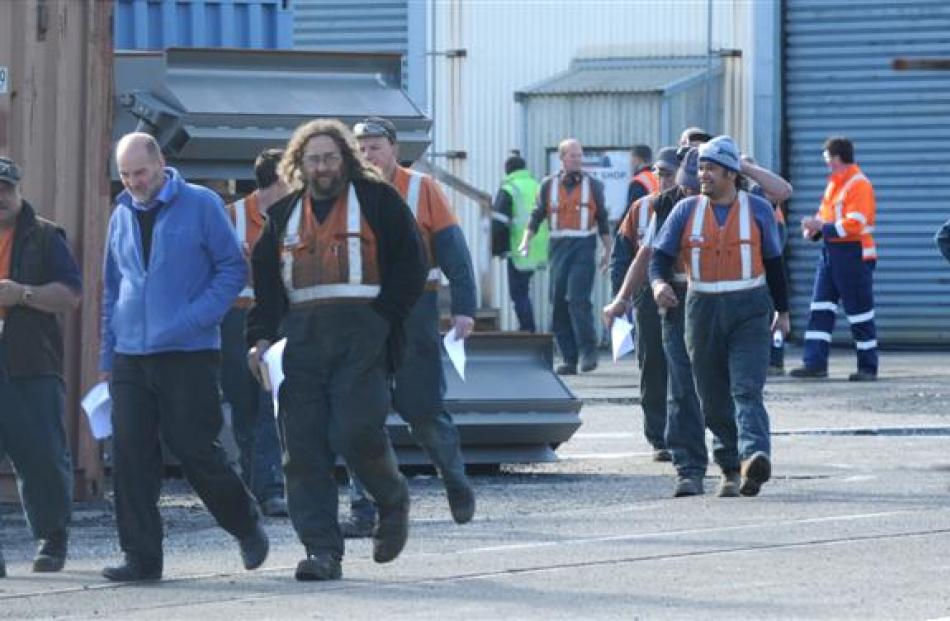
[613,76]
[214,110]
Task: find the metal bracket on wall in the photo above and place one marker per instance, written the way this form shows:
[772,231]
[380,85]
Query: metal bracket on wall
[456,53]
[451,154]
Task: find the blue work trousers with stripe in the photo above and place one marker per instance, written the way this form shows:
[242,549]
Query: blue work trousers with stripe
[842,275]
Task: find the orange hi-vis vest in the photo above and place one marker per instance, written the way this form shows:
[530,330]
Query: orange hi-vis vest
[332,261]
[571,213]
[648,180]
[248,223]
[430,209]
[849,204]
[722,259]
[639,227]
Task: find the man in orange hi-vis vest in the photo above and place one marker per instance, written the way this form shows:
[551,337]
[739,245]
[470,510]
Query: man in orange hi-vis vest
[573,204]
[252,409]
[845,221]
[643,180]
[337,269]
[419,383]
[736,297]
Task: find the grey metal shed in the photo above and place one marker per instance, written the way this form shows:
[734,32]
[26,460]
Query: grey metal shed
[838,80]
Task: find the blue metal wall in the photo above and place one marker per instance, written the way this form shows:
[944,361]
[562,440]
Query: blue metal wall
[838,80]
[159,24]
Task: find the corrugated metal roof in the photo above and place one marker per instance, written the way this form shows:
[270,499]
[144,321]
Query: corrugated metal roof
[619,75]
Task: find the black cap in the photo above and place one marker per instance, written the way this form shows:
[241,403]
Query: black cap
[9,171]
[375,127]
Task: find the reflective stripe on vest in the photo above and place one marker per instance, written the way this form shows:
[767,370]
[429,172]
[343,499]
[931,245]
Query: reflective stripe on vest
[412,199]
[646,181]
[839,207]
[643,217]
[240,229]
[747,280]
[355,287]
[583,229]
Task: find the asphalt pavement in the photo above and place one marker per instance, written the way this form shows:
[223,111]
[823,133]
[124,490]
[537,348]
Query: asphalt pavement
[854,524]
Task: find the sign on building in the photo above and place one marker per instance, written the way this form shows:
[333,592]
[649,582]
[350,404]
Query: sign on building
[4,74]
[610,166]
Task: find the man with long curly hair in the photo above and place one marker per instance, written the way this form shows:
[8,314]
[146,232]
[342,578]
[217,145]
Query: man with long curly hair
[336,270]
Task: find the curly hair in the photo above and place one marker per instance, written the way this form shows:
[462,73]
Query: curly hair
[354,165]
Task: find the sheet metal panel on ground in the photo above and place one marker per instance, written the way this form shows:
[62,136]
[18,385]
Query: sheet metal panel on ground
[838,80]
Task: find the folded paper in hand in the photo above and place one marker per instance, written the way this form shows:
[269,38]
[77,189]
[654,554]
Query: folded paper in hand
[455,348]
[272,369]
[98,407]
[621,337]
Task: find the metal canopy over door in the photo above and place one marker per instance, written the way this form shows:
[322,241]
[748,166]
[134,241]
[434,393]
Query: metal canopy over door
[838,80]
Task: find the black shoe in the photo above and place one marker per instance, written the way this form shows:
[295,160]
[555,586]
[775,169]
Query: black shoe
[588,363]
[393,529]
[461,503]
[688,486]
[254,549]
[3,566]
[319,566]
[274,507]
[566,368]
[863,376]
[134,571]
[729,484]
[662,455]
[775,370]
[755,471]
[355,528]
[51,554]
[806,372]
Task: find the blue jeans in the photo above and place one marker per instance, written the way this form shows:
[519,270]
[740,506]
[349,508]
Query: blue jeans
[728,336]
[686,426]
[572,278]
[519,284]
[32,434]
[653,371]
[252,413]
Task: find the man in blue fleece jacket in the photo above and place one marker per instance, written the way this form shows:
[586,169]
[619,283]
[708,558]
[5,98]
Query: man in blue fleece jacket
[173,268]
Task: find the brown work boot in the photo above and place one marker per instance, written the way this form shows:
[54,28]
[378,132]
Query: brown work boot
[729,484]
[393,529]
[566,368]
[662,455]
[687,486]
[755,471]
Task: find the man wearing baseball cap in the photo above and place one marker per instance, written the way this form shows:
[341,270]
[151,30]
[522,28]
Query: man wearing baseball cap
[38,280]
[419,384]
[728,243]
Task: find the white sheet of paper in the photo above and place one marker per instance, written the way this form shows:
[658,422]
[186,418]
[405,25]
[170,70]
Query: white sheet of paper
[98,407]
[621,338]
[274,367]
[456,351]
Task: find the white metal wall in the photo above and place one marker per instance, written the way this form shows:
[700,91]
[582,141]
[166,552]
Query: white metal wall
[512,45]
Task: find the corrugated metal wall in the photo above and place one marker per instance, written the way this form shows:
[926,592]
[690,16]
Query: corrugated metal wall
[838,80]
[361,25]
[54,120]
[159,24]
[512,45]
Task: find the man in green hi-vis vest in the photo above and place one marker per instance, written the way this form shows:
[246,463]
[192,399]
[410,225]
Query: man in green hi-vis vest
[510,213]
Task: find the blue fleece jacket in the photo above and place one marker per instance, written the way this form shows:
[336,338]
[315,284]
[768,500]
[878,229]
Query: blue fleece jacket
[195,272]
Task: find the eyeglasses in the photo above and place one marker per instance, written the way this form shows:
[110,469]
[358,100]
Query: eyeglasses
[372,129]
[328,159]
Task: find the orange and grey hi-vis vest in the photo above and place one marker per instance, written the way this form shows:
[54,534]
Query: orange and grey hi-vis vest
[571,213]
[335,260]
[722,259]
[247,231]
[411,194]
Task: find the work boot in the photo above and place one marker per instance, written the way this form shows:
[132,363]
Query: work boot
[729,484]
[566,368]
[133,570]
[393,529]
[356,528]
[809,373]
[687,486]
[662,455]
[319,566]
[461,503]
[51,554]
[274,507]
[589,362]
[254,549]
[755,471]
[3,566]
[775,370]
[863,376]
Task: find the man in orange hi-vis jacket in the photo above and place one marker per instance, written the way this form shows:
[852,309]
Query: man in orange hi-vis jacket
[845,222]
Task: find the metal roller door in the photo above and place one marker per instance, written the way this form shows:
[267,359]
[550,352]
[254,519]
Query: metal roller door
[838,80]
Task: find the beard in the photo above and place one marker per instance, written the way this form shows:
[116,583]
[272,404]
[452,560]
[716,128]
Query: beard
[326,185]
